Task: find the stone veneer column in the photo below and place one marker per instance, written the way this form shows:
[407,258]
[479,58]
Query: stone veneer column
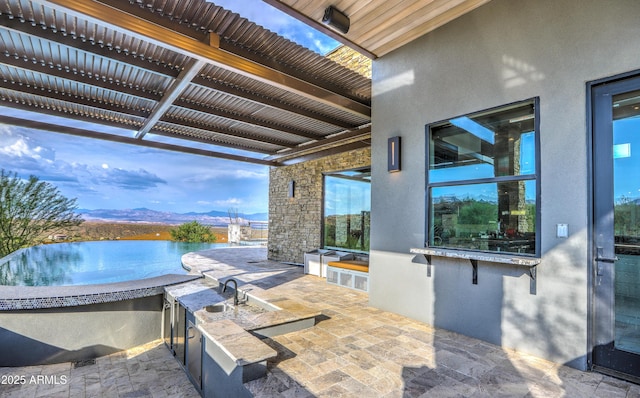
[295,224]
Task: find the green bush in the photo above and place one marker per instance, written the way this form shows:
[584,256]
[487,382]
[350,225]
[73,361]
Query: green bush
[192,232]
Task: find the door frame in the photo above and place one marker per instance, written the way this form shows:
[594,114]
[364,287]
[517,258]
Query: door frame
[591,250]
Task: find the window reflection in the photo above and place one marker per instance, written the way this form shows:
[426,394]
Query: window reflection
[347,210]
[484,146]
[626,163]
[495,217]
[482,181]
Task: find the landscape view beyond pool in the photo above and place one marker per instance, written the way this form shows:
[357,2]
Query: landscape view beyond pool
[94,262]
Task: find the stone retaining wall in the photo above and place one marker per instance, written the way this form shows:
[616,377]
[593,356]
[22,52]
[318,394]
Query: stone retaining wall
[295,224]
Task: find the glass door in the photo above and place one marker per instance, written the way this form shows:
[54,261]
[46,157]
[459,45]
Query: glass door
[616,154]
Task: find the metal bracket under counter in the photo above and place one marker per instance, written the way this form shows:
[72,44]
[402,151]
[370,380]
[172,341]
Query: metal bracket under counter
[474,257]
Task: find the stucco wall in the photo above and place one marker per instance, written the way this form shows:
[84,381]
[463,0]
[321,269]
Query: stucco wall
[505,51]
[54,335]
[295,224]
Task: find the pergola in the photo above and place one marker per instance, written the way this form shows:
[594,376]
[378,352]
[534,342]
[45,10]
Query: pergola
[198,74]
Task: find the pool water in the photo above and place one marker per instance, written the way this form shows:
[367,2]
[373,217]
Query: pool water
[86,263]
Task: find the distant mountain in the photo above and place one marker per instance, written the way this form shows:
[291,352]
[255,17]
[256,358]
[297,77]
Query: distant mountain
[212,213]
[218,218]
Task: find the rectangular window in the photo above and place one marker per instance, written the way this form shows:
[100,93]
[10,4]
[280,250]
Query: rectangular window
[347,210]
[482,181]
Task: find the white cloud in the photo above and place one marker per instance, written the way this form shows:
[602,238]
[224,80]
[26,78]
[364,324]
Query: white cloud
[249,174]
[223,173]
[27,156]
[16,145]
[136,180]
[102,174]
[229,202]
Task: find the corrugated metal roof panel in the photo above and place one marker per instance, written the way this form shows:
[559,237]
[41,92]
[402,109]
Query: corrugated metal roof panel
[213,122]
[301,123]
[53,55]
[74,91]
[248,35]
[65,108]
[282,95]
[64,65]
[215,138]
[231,103]
[216,99]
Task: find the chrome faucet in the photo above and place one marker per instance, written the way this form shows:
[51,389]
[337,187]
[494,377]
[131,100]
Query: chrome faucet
[235,290]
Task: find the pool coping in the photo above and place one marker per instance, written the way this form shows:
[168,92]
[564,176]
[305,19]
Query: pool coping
[41,297]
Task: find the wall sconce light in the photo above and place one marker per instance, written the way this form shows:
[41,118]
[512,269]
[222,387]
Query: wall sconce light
[336,19]
[292,189]
[393,154]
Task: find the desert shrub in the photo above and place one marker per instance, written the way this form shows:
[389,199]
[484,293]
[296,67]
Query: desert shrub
[192,232]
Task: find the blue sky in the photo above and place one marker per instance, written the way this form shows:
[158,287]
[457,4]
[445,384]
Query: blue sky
[277,21]
[626,163]
[108,175]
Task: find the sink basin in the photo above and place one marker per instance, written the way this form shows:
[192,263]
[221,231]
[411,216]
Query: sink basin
[220,307]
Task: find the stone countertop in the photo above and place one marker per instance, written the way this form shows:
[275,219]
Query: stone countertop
[255,276]
[252,317]
[241,314]
[503,258]
[228,330]
[239,346]
[196,294]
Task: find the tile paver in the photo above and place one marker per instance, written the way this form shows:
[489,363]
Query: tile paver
[146,371]
[353,351]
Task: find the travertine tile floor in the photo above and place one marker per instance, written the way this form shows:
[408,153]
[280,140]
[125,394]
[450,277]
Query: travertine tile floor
[353,351]
[146,371]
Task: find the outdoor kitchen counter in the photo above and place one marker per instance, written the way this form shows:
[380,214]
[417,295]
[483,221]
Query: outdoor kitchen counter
[250,317]
[262,311]
[257,277]
[240,347]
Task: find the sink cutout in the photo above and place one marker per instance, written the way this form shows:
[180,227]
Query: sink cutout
[222,307]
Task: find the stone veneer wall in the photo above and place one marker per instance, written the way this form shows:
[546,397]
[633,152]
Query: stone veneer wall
[295,224]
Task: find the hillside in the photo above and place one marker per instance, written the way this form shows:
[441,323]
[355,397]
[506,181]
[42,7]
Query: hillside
[214,218]
[92,230]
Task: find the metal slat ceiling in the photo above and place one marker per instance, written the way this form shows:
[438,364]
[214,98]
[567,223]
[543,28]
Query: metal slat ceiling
[130,64]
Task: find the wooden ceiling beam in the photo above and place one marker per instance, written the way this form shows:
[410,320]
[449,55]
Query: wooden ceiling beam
[325,152]
[198,33]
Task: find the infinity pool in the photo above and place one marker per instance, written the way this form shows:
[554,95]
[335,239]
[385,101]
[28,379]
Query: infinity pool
[86,263]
